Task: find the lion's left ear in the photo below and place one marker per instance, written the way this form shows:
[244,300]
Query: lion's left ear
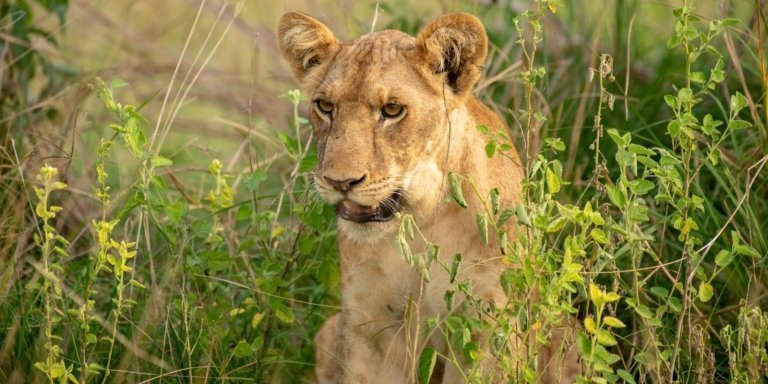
[455,44]
[305,42]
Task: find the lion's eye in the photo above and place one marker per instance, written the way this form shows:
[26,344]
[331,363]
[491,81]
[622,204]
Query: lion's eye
[324,106]
[392,110]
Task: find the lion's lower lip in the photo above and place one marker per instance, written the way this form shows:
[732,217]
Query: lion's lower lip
[385,211]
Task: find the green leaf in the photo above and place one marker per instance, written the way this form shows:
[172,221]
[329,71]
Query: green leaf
[714,156]
[136,284]
[242,349]
[256,319]
[660,292]
[617,138]
[641,186]
[738,102]
[553,181]
[584,345]
[455,267]
[617,196]
[613,322]
[427,362]
[671,101]
[734,125]
[626,376]
[599,236]
[456,194]
[160,161]
[644,311]
[494,194]
[746,250]
[685,95]
[673,128]
[253,179]
[505,215]
[482,227]
[284,314]
[328,273]
[490,149]
[723,258]
[705,291]
[522,215]
[605,338]
[698,78]
[289,143]
[645,358]
[640,150]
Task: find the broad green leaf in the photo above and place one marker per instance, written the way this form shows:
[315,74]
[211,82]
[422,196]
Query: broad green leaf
[599,236]
[641,187]
[160,161]
[738,102]
[746,250]
[644,311]
[660,292]
[242,349]
[490,148]
[617,196]
[605,338]
[427,362]
[626,376]
[645,358]
[705,291]
[589,325]
[522,215]
[505,215]
[617,138]
[640,150]
[256,319]
[553,181]
[723,258]
[613,322]
[584,345]
[738,124]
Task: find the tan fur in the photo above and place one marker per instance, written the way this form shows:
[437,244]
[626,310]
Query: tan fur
[378,336]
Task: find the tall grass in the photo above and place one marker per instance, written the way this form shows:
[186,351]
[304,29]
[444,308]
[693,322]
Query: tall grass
[187,246]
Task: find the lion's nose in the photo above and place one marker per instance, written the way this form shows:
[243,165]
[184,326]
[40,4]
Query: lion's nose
[344,185]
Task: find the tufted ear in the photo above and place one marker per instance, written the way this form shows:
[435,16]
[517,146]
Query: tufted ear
[455,44]
[305,43]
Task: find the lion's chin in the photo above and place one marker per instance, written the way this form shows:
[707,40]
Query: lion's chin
[369,232]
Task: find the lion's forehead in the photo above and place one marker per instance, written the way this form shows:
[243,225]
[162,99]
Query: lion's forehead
[374,68]
[377,47]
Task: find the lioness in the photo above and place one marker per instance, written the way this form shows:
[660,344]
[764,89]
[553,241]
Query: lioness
[392,115]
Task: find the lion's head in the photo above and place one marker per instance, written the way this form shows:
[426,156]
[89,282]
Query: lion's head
[381,107]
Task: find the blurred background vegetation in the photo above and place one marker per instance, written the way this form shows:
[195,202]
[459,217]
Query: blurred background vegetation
[235,266]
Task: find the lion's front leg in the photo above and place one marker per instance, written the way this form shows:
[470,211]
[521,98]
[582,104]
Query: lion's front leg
[327,351]
[373,355]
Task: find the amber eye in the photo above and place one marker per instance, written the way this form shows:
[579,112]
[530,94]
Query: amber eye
[392,110]
[324,106]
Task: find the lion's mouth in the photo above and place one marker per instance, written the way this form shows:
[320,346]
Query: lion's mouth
[357,213]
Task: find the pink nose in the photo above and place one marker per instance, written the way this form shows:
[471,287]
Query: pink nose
[344,185]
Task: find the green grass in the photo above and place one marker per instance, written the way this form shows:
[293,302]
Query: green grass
[235,264]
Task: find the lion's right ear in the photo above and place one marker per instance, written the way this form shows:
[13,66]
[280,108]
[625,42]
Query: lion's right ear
[305,43]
